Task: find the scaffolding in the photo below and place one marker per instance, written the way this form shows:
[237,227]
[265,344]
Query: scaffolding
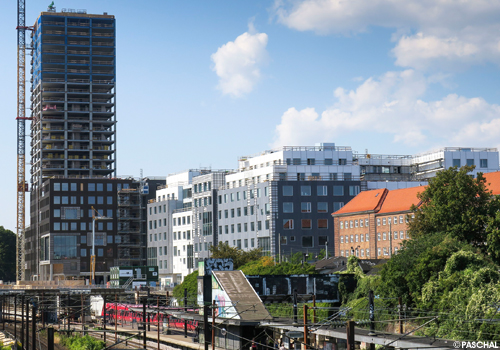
[131,228]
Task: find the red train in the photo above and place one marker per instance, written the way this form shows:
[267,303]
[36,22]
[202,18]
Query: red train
[130,313]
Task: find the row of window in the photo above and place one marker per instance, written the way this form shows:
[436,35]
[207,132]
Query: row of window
[73,226]
[245,227]
[364,222]
[307,241]
[74,200]
[322,190]
[306,207]
[483,163]
[202,187]
[202,202]
[73,186]
[357,252]
[313,161]
[74,213]
[237,212]
[305,224]
[243,195]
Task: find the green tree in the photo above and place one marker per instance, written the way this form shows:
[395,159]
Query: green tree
[240,257]
[190,282]
[457,204]
[7,255]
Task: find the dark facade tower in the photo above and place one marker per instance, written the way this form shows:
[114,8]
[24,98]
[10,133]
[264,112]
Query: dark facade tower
[73,129]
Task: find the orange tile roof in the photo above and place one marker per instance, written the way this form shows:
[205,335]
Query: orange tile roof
[493,182]
[365,201]
[401,199]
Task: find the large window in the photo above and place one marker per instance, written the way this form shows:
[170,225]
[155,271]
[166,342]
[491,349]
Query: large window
[353,190]
[64,247]
[305,190]
[305,207]
[307,241]
[287,190]
[288,224]
[338,190]
[456,162]
[483,163]
[322,207]
[322,190]
[306,224]
[322,224]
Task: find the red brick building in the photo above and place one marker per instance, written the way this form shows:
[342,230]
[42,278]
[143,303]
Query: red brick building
[374,223]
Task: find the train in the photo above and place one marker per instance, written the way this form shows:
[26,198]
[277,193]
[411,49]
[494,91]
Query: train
[133,313]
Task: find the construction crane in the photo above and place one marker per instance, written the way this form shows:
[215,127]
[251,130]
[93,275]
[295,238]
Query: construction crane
[21,135]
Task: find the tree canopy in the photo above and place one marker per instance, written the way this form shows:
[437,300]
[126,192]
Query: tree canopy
[457,204]
[239,256]
[7,255]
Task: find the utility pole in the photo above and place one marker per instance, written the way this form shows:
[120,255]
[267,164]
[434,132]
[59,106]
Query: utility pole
[213,325]
[33,325]
[350,335]
[305,327]
[144,322]
[295,306]
[400,306]
[185,310]
[205,324]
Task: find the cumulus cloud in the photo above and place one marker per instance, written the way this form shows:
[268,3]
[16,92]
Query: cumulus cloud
[427,31]
[393,105]
[237,63]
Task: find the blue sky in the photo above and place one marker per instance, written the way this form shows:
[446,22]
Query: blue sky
[200,83]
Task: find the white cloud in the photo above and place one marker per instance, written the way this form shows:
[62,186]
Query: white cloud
[392,106]
[457,31]
[238,62]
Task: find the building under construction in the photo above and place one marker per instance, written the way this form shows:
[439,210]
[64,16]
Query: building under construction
[79,208]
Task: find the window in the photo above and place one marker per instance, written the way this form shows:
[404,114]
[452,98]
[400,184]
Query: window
[296,161]
[91,187]
[378,222]
[353,190]
[361,223]
[384,221]
[306,224]
[238,212]
[322,224]
[305,207]
[347,176]
[333,176]
[384,235]
[328,161]
[367,237]
[341,239]
[400,219]
[245,227]
[307,241]
[456,162]
[288,224]
[355,223]
[322,207]
[395,234]
[311,161]
[91,199]
[351,224]
[305,190]
[232,213]
[232,228]
[470,162]
[483,163]
[57,213]
[341,225]
[338,190]
[287,207]
[83,252]
[352,238]
[226,213]
[361,237]
[379,236]
[322,190]
[357,238]
[337,205]
[109,187]
[287,190]
[379,252]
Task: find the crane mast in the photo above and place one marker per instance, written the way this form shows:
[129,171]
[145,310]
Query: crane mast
[21,135]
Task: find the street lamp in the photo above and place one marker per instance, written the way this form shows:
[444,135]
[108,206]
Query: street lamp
[92,257]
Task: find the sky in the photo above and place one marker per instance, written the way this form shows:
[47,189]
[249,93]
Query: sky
[201,83]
